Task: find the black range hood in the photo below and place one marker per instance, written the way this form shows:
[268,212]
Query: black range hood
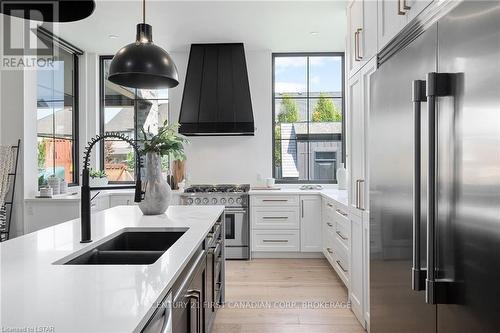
[216,98]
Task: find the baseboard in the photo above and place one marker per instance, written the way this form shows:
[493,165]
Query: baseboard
[287,255]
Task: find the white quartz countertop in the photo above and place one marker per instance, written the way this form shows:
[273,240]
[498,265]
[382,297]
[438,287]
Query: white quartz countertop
[340,196]
[35,292]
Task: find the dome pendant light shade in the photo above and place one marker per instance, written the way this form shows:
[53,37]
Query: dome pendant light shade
[143,64]
[49,11]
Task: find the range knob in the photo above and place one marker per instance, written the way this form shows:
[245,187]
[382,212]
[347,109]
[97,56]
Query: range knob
[223,201]
[239,201]
[214,201]
[197,201]
[231,201]
[205,201]
[189,201]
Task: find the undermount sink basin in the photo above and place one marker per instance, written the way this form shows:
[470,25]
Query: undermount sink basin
[129,248]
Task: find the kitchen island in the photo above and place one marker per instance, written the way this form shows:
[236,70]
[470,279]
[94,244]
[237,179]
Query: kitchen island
[38,291]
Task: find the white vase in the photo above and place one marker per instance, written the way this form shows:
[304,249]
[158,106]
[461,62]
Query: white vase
[342,177]
[157,192]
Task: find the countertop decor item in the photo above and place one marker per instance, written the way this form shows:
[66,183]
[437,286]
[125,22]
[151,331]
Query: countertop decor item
[342,177]
[270,182]
[63,187]
[167,142]
[45,192]
[143,64]
[54,184]
[178,168]
[98,178]
[157,192]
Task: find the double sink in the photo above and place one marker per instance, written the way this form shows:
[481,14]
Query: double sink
[129,248]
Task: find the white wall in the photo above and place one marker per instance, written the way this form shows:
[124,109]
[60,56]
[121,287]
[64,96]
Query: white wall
[233,159]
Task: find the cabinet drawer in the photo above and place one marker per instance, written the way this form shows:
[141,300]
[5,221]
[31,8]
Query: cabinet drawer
[275,200]
[342,221]
[329,247]
[341,264]
[275,218]
[329,228]
[276,240]
[329,209]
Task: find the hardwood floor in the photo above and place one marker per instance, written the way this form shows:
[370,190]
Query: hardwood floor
[284,296]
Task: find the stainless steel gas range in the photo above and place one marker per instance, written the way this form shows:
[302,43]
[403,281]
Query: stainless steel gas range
[235,198]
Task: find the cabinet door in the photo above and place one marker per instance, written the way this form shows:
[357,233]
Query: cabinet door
[310,223]
[369,35]
[121,200]
[416,7]
[366,268]
[391,19]
[356,268]
[355,28]
[356,134]
[366,78]
[188,310]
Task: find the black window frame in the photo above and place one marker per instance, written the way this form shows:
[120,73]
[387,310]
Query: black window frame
[102,59]
[273,116]
[55,41]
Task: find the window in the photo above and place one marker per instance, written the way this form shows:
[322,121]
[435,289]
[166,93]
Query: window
[308,103]
[57,116]
[127,111]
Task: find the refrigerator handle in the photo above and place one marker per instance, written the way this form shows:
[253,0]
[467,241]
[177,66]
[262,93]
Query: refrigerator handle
[418,273]
[437,290]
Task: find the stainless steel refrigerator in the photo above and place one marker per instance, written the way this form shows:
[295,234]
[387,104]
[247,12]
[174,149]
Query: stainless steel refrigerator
[435,178]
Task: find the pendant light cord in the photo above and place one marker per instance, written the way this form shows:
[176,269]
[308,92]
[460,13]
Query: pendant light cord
[144,11]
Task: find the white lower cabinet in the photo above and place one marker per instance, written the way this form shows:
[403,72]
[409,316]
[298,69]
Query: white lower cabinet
[276,240]
[286,223]
[310,223]
[356,290]
[336,241]
[121,200]
[275,217]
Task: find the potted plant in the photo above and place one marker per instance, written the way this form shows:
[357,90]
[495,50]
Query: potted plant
[98,178]
[167,142]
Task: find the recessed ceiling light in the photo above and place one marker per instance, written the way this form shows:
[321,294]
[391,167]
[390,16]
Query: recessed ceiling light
[314,33]
[113,36]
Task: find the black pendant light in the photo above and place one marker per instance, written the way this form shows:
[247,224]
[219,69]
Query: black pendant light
[48,11]
[143,64]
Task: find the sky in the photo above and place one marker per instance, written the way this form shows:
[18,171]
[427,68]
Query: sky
[325,74]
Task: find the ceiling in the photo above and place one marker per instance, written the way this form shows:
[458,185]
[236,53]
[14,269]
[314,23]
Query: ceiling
[280,26]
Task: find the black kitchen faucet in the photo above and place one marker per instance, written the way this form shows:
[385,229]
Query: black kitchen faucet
[85,191]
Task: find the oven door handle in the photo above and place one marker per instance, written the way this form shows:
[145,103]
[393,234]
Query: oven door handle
[236,210]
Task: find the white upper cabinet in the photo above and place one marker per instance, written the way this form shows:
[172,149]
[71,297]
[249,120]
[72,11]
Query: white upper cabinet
[416,7]
[362,33]
[310,223]
[393,15]
[369,35]
[355,26]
